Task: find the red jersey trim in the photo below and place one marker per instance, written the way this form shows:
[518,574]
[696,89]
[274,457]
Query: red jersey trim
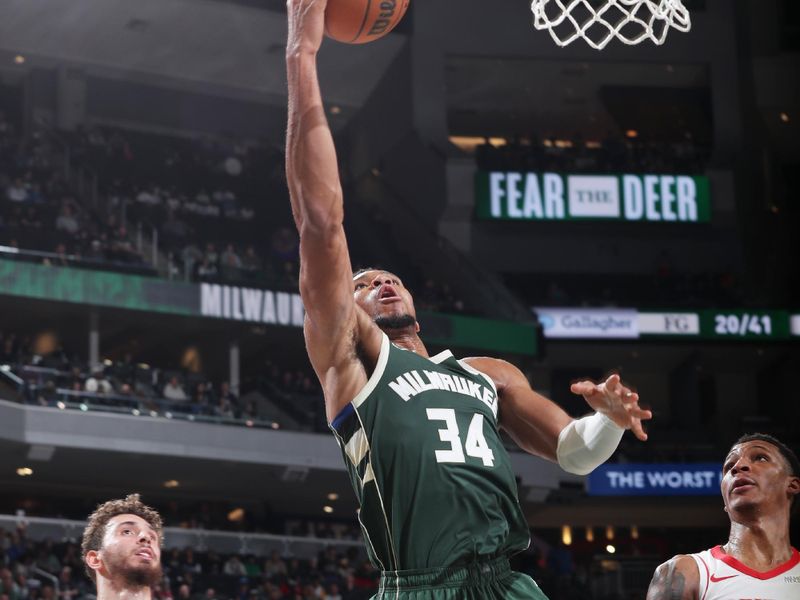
[718,553]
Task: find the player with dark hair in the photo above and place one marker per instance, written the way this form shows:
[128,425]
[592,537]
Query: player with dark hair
[420,434]
[121,549]
[760,483]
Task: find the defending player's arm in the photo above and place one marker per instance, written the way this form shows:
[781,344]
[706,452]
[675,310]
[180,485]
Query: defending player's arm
[317,206]
[676,579]
[541,427]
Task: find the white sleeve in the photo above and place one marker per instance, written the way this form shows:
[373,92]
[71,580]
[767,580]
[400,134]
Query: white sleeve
[586,443]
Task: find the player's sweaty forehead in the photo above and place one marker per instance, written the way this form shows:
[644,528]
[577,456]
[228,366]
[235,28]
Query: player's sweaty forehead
[129,519]
[367,276]
[738,449]
[122,521]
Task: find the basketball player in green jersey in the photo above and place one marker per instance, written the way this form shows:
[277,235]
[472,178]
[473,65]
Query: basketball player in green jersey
[419,434]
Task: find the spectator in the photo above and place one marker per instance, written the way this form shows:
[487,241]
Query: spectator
[72,559]
[47,592]
[8,587]
[206,269]
[67,588]
[161,592]
[333,592]
[189,563]
[251,262]
[191,255]
[47,560]
[125,369]
[174,390]
[350,589]
[66,221]
[148,198]
[203,401]
[211,594]
[234,566]
[230,262]
[252,567]
[35,193]
[274,565]
[172,564]
[98,383]
[227,398]
[122,247]
[126,391]
[61,259]
[18,546]
[96,251]
[225,409]
[212,254]
[8,350]
[17,191]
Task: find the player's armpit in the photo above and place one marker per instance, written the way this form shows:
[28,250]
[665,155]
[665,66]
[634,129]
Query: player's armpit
[343,363]
[676,579]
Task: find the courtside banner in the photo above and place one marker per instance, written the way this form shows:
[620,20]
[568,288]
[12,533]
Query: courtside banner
[515,196]
[582,323]
[233,303]
[698,479]
[669,323]
[629,323]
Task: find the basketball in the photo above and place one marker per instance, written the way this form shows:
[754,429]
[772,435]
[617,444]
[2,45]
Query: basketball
[362,21]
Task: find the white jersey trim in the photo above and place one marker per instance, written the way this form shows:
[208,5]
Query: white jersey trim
[472,370]
[380,367]
[441,357]
[369,475]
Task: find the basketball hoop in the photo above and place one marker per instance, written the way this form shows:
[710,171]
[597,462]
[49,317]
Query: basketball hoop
[600,21]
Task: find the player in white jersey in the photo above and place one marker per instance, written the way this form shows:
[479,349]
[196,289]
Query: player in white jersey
[760,483]
[723,576]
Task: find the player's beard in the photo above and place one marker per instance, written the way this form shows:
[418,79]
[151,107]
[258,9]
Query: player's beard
[395,321]
[133,577]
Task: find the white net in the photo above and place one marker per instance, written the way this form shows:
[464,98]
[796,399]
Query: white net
[600,21]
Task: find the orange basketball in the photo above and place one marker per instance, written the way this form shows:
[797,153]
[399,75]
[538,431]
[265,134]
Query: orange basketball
[362,21]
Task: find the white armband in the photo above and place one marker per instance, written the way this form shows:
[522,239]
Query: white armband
[586,443]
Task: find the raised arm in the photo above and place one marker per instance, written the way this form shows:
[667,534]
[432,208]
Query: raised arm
[541,427]
[313,177]
[676,579]
[332,319]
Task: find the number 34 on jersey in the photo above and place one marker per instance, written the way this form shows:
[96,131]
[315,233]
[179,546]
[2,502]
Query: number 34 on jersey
[457,450]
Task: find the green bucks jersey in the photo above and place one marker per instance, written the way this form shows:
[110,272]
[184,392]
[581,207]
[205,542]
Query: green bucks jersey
[424,453]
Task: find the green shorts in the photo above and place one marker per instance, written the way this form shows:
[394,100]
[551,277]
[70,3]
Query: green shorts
[490,580]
